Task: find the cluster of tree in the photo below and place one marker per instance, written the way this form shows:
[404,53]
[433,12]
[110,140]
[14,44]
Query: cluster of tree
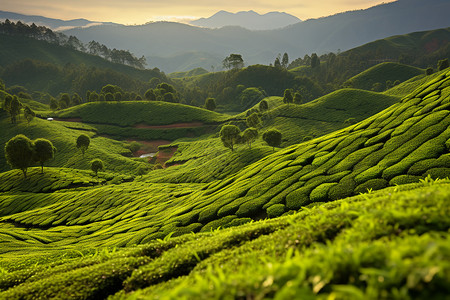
[46,34]
[117,56]
[231,135]
[233,61]
[13,107]
[281,62]
[21,152]
[292,97]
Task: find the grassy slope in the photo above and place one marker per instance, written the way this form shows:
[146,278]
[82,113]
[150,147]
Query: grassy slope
[372,246]
[63,135]
[134,112]
[381,73]
[401,144]
[193,72]
[325,114]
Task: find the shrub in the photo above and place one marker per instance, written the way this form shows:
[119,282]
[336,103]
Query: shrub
[276,210]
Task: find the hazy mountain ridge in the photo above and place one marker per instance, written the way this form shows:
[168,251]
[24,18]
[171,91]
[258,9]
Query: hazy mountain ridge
[342,31]
[248,19]
[54,24]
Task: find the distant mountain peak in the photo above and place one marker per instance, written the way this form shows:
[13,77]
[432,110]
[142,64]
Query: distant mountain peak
[248,19]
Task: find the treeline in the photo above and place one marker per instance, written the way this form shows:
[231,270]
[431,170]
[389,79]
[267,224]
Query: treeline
[43,33]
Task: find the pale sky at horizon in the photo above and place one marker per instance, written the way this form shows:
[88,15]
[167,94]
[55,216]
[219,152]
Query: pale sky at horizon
[141,11]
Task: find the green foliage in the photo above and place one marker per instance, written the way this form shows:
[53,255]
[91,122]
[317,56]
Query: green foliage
[253,120]
[83,142]
[233,61]
[19,153]
[263,106]
[43,151]
[272,138]
[288,98]
[210,104]
[443,64]
[250,135]
[230,136]
[96,165]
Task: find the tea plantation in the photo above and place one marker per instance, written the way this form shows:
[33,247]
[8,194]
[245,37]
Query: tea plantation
[360,213]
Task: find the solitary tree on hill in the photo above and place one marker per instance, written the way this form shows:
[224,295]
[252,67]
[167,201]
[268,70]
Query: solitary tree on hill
[97,165]
[83,142]
[210,104]
[43,151]
[233,61]
[19,153]
[272,138]
[250,135]
[288,96]
[230,136]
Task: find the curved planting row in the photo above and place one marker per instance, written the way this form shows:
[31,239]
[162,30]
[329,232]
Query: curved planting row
[402,144]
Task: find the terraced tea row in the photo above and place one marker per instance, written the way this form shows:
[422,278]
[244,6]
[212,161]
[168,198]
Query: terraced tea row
[344,249]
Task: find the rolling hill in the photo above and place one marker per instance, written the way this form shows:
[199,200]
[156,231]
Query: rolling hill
[82,241]
[381,73]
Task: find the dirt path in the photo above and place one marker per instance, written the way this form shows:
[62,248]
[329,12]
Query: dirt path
[176,125]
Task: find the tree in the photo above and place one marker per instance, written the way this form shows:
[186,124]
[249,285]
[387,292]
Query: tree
[64,100]
[117,96]
[443,64]
[28,114]
[263,105]
[272,138]
[285,60]
[150,95]
[14,109]
[109,97]
[277,63]
[315,61]
[93,97]
[230,136]
[19,153]
[287,98]
[76,99]
[43,151]
[53,104]
[210,104]
[298,99]
[250,135]
[429,71]
[83,142]
[97,165]
[253,120]
[233,61]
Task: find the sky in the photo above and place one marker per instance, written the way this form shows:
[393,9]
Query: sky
[132,12]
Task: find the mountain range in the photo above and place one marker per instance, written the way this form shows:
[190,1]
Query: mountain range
[180,47]
[54,24]
[248,19]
